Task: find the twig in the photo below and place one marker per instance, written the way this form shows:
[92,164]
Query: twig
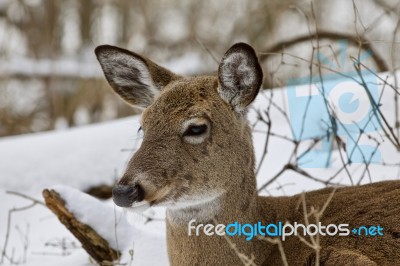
[9,218]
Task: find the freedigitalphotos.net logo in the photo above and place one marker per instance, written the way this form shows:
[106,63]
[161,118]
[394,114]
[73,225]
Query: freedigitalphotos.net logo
[336,104]
[279,229]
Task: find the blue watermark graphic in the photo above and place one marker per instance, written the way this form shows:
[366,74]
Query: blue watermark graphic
[335,104]
[282,230]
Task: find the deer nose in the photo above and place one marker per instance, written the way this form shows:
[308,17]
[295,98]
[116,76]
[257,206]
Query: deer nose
[126,195]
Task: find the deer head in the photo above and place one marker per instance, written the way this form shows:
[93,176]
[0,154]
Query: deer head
[197,146]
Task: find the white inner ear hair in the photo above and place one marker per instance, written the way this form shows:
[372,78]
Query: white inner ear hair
[131,72]
[237,74]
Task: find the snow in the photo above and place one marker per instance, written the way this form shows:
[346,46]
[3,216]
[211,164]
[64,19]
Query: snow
[146,239]
[80,157]
[45,234]
[85,208]
[97,154]
[87,67]
[44,67]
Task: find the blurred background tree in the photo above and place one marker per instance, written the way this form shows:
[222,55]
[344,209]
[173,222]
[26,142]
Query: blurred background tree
[49,77]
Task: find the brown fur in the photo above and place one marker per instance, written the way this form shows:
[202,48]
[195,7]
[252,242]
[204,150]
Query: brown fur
[171,169]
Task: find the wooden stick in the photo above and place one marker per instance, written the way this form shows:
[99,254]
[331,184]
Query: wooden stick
[94,244]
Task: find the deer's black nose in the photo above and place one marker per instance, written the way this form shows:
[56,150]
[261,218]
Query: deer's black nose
[126,195]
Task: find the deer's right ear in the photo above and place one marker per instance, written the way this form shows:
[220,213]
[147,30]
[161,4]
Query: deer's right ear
[136,79]
[240,76]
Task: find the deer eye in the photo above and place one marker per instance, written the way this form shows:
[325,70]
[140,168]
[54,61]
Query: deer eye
[195,130]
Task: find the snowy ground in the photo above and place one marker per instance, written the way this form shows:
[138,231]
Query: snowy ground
[96,154]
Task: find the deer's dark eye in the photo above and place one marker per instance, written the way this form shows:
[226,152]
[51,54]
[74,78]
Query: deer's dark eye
[196,130]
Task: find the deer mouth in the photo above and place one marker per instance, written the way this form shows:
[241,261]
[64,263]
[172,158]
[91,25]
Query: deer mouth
[150,198]
[139,207]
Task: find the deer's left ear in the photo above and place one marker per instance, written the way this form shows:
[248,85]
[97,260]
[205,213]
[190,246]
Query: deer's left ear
[240,76]
[136,79]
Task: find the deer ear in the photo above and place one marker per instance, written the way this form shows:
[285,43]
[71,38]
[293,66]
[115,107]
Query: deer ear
[240,76]
[136,79]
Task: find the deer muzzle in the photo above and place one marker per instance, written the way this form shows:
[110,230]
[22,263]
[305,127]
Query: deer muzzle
[126,195]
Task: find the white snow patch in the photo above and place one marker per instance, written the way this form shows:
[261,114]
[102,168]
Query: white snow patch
[146,239]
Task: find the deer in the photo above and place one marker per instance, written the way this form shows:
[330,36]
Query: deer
[196,159]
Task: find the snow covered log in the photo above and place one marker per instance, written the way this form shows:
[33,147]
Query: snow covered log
[94,244]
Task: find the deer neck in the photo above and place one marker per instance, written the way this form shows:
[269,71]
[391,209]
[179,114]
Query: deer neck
[238,205]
